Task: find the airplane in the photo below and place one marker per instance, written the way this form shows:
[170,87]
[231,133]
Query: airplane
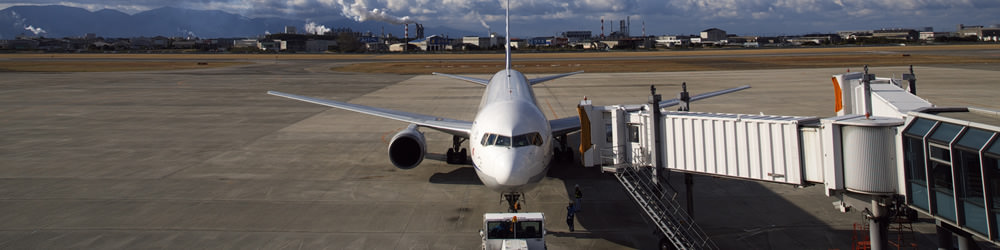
[511,140]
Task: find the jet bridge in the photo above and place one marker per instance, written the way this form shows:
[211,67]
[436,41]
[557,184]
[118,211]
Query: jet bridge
[858,156]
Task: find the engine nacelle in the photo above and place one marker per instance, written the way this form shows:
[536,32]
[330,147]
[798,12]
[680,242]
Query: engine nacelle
[407,148]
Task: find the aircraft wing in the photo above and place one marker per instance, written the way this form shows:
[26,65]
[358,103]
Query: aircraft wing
[552,77]
[465,78]
[565,125]
[450,126]
[673,102]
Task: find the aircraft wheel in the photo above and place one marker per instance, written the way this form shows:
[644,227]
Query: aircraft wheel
[463,156]
[450,156]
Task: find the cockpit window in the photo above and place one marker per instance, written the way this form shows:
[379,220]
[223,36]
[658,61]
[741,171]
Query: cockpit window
[516,141]
[492,139]
[502,141]
[528,139]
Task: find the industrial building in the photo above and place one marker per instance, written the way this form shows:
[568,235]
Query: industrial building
[991,33]
[896,34]
[713,35]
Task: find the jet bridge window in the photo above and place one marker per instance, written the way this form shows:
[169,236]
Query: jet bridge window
[942,178]
[969,179]
[916,170]
[991,165]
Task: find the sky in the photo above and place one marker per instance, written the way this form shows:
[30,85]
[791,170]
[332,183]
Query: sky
[551,17]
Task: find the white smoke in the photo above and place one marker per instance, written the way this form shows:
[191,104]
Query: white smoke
[316,29]
[359,12]
[480,17]
[37,31]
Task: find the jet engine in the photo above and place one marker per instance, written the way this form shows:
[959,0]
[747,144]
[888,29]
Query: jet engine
[407,148]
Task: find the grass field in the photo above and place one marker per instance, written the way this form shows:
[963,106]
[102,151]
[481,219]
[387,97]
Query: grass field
[419,63]
[107,66]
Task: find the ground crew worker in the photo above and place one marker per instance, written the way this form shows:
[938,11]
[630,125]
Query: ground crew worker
[570,212]
[579,198]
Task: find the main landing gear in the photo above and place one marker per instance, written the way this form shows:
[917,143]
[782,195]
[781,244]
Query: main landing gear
[456,154]
[562,152]
[513,201]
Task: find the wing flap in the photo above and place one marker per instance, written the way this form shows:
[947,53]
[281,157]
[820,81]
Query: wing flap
[450,126]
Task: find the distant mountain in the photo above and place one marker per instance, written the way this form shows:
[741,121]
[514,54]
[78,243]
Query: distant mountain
[63,21]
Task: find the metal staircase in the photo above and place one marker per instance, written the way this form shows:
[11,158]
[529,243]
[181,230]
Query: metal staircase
[661,208]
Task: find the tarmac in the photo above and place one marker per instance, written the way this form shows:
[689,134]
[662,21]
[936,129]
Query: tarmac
[205,159]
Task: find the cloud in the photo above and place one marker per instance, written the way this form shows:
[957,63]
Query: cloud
[545,16]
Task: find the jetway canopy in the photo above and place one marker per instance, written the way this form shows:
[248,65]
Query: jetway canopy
[757,147]
[944,161]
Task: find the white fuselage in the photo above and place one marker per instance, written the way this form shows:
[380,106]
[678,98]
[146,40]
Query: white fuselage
[510,139]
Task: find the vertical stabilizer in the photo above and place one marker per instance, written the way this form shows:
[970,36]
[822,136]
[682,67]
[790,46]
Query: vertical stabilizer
[507,35]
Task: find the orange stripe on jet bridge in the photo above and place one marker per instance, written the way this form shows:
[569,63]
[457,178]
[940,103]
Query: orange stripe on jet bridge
[838,100]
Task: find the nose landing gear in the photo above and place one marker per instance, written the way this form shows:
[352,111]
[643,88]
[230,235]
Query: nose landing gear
[456,154]
[562,152]
[513,201]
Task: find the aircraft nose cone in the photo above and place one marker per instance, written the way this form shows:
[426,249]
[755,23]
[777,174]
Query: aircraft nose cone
[504,169]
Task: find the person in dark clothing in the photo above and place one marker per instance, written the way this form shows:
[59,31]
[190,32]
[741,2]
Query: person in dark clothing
[579,199]
[570,213]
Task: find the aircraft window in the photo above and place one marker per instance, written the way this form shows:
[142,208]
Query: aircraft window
[536,139]
[492,139]
[485,137]
[502,141]
[528,139]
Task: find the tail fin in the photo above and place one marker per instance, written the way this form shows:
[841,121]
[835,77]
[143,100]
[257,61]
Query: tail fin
[507,30]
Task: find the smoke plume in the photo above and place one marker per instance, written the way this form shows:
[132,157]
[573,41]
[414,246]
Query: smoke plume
[480,17]
[316,29]
[359,12]
[37,31]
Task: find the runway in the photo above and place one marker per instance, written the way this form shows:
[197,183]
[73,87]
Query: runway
[205,159]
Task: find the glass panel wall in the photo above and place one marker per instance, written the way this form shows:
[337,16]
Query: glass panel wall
[971,195]
[941,177]
[944,194]
[991,163]
[916,172]
[913,163]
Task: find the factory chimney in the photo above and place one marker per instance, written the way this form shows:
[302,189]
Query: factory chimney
[602,27]
[628,26]
[622,28]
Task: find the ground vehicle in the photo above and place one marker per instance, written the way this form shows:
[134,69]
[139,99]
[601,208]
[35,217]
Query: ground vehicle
[513,231]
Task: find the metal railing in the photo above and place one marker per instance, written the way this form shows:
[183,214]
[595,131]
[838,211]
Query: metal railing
[665,212]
